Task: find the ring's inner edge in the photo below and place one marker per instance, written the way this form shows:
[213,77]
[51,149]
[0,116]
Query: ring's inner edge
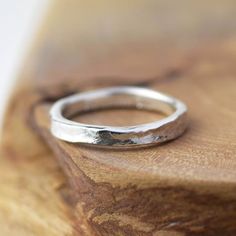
[117,101]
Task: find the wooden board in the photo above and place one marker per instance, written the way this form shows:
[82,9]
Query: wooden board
[184,187]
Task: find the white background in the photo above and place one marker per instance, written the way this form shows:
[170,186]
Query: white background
[19,20]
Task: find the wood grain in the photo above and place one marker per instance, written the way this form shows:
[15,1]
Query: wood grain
[184,187]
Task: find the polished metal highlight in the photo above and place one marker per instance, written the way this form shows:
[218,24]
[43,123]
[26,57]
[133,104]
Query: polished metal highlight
[62,127]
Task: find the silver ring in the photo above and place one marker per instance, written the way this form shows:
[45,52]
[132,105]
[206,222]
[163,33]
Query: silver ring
[158,131]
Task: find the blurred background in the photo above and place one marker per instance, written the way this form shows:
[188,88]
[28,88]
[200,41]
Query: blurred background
[97,28]
[18,22]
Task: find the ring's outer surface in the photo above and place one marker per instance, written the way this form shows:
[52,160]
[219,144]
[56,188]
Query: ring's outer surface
[145,134]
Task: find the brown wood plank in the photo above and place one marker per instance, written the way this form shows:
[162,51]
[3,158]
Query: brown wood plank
[184,187]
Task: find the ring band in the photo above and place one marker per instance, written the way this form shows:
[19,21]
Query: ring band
[158,131]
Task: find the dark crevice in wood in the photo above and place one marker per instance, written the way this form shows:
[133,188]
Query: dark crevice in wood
[169,76]
[54,92]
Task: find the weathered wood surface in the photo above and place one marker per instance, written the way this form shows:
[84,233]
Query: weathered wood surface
[184,187]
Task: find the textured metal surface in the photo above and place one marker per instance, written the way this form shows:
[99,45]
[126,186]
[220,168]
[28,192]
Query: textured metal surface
[145,134]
